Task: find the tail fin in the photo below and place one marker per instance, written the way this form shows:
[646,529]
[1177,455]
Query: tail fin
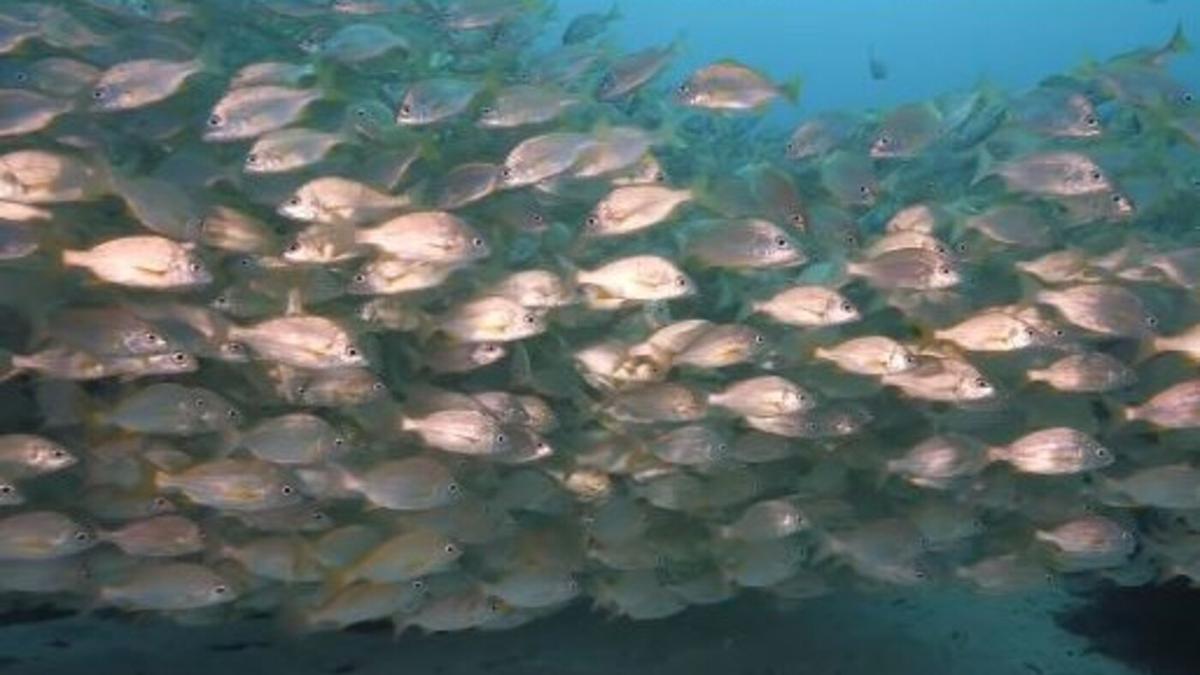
[985,166]
[791,89]
[997,453]
[8,367]
[1177,44]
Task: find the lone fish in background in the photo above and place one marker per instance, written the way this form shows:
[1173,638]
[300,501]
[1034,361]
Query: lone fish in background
[876,68]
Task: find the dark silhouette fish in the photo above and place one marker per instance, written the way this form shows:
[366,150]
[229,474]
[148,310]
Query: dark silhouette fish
[877,68]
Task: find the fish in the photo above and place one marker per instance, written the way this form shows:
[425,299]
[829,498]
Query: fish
[146,261]
[249,112]
[877,69]
[729,85]
[136,84]
[447,315]
[590,25]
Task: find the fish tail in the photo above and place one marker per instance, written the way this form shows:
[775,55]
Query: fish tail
[791,89]
[74,258]
[327,82]
[1148,348]
[1178,43]
[164,481]
[997,453]
[9,365]
[985,166]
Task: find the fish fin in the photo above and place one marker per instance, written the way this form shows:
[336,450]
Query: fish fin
[295,302]
[985,166]
[997,453]
[791,89]
[1176,44]
[327,82]
[1147,348]
[8,369]
[211,58]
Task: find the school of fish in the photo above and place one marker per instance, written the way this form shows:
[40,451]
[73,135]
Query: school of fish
[411,311]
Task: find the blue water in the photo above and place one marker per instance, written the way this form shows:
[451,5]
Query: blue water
[930,46]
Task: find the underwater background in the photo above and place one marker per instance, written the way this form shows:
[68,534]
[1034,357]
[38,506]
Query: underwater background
[1081,623]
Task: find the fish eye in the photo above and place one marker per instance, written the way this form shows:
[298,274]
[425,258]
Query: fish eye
[982,383]
[1058,332]
[6,489]
[501,439]
[864,190]
[232,414]
[529,319]
[759,339]
[537,218]
[221,301]
[781,242]
[287,490]
[1096,175]
[418,585]
[885,140]
[21,77]
[683,88]
[1101,452]
[252,158]
[450,549]
[352,351]
[477,242]
[196,267]
[405,110]
[159,503]
[487,111]
[378,386]
[961,247]
[215,120]
[99,93]
[847,307]
[360,112]
[1187,97]
[294,247]
[790,147]
[1090,120]
[453,488]
[82,535]
[179,357]
[220,589]
[944,270]
[199,402]
[339,441]
[1116,199]
[360,278]
[318,516]
[1151,321]
[681,282]
[592,221]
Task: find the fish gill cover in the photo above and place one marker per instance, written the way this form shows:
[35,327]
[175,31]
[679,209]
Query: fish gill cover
[407,311]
